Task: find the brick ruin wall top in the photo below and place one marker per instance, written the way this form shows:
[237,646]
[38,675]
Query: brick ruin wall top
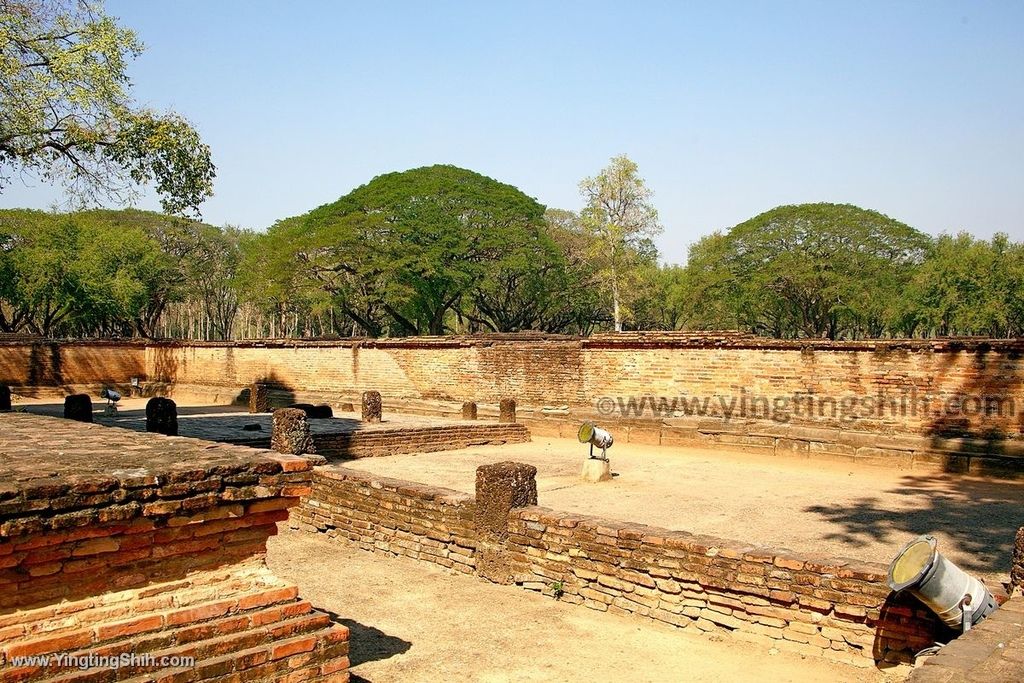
[550,370]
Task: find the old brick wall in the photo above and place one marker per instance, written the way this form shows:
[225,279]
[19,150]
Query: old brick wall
[118,543]
[391,516]
[915,380]
[839,609]
[70,364]
[992,651]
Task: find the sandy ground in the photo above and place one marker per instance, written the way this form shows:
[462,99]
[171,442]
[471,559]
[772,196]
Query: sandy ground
[412,621]
[820,506]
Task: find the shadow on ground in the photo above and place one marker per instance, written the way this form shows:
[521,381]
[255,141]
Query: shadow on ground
[368,644]
[981,517]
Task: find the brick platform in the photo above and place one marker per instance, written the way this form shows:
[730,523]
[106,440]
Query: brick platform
[118,543]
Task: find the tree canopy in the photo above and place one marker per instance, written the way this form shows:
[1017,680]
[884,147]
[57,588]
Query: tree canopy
[66,114]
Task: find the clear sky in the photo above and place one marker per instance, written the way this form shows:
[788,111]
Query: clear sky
[915,109]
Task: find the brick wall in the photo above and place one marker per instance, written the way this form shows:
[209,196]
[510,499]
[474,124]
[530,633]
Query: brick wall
[992,651]
[391,516]
[117,543]
[70,364]
[838,609]
[915,380]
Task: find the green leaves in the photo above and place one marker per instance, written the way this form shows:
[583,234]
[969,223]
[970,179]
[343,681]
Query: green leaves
[66,114]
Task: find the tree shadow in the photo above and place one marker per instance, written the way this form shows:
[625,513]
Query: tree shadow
[369,644]
[979,516]
[280,394]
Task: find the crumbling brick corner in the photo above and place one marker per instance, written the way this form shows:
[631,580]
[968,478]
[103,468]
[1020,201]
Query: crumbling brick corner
[1017,565]
[290,432]
[500,488]
[507,411]
[259,398]
[162,416]
[133,543]
[78,407]
[372,406]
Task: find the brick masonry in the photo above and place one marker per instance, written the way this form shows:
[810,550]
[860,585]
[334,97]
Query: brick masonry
[835,608]
[570,374]
[992,651]
[116,542]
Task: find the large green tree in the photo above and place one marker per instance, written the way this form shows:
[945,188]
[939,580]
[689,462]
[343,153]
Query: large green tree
[810,270]
[404,252]
[623,220]
[66,114]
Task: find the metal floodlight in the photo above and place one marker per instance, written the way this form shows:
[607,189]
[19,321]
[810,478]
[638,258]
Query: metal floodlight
[595,436]
[957,598]
[112,396]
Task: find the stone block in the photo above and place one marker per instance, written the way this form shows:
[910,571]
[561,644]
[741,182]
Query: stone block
[372,406]
[469,410]
[1017,565]
[78,407]
[259,398]
[290,432]
[596,470]
[5,397]
[162,416]
[500,488]
[507,411]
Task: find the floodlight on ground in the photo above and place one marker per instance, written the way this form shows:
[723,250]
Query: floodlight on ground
[595,436]
[112,396]
[956,597]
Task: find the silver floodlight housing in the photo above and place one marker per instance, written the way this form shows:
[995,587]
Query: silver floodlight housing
[112,396]
[956,597]
[595,436]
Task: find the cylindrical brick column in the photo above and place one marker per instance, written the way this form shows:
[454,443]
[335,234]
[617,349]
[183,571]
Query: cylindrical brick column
[78,407]
[162,416]
[507,411]
[468,410]
[500,488]
[1017,565]
[290,432]
[5,397]
[372,408]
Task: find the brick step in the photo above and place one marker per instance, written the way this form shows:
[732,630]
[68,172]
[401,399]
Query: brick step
[320,655]
[270,614]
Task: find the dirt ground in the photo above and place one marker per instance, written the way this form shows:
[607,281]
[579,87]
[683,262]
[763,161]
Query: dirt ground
[411,621]
[820,506]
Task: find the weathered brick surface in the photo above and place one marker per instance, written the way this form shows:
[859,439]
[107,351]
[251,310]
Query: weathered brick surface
[114,541]
[546,370]
[391,516]
[836,608]
[992,651]
[378,442]
[372,406]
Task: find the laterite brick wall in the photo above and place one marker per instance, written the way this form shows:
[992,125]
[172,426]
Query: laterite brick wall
[838,609]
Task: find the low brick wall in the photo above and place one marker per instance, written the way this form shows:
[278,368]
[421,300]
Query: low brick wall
[370,443]
[115,543]
[378,442]
[834,608]
[992,651]
[391,516]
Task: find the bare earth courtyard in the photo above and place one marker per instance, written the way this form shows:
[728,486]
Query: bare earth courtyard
[404,628]
[822,507]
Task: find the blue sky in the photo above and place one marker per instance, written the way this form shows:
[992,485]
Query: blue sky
[915,109]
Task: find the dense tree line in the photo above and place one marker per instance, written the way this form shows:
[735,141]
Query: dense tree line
[441,250]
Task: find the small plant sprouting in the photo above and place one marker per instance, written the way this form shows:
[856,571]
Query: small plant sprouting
[557,589]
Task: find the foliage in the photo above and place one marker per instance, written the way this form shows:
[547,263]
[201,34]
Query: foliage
[66,114]
[812,270]
[623,221]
